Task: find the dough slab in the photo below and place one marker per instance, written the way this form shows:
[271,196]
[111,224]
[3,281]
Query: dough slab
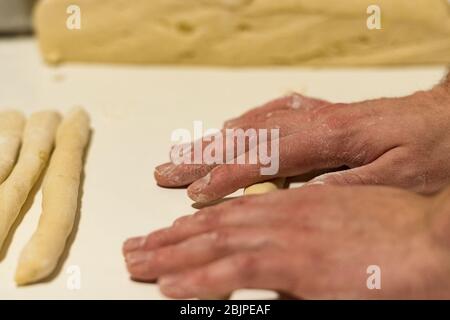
[246,32]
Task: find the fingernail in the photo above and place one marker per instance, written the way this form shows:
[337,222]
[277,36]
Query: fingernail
[134,258]
[134,243]
[167,174]
[296,102]
[315,183]
[199,185]
[229,123]
[175,286]
[164,169]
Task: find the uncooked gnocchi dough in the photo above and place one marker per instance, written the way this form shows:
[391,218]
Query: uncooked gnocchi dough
[245,32]
[11,127]
[265,187]
[38,139]
[59,200]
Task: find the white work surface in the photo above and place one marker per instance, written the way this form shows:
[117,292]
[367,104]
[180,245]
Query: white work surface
[134,110]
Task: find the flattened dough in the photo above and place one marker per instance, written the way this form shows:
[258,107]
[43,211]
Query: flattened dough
[59,201]
[11,128]
[38,140]
[246,32]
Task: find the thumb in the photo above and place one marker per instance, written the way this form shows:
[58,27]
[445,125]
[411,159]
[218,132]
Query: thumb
[356,176]
[379,172]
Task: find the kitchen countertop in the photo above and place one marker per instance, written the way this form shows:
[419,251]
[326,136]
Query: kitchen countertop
[134,110]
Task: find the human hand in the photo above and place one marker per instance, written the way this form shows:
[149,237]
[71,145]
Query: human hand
[402,142]
[314,242]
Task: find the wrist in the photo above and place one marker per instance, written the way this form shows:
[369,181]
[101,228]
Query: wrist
[446,82]
[440,218]
[444,87]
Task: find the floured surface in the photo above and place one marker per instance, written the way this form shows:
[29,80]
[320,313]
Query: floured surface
[133,111]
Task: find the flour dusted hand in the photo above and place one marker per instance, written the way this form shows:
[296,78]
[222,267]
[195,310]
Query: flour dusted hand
[402,142]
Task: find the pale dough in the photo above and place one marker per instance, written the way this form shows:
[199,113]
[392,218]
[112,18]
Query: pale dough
[245,32]
[265,187]
[60,200]
[11,128]
[38,140]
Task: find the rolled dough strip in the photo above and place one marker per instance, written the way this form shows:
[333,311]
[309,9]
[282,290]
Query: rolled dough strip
[59,201]
[265,187]
[11,128]
[38,140]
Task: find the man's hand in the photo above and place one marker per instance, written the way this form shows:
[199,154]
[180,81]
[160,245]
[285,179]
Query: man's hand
[313,242]
[402,142]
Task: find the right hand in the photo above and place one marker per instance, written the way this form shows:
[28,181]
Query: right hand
[313,243]
[402,142]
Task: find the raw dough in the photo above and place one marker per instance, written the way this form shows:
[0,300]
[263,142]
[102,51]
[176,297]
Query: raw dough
[38,139]
[11,128]
[59,200]
[265,187]
[246,32]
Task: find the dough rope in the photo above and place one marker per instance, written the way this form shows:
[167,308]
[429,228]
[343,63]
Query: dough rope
[265,187]
[11,129]
[59,200]
[38,140]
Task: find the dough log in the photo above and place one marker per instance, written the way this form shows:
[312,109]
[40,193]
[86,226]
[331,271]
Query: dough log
[11,129]
[59,200]
[245,32]
[38,140]
[265,187]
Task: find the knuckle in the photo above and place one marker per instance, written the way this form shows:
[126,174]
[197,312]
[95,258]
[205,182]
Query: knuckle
[223,238]
[246,265]
[209,218]
[409,167]
[164,255]
[242,201]
[181,220]
[157,236]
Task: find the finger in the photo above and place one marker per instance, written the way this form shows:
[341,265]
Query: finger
[382,171]
[192,161]
[197,251]
[186,164]
[298,153]
[239,212]
[254,269]
[181,175]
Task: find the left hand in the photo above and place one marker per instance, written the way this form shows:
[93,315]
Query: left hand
[311,242]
